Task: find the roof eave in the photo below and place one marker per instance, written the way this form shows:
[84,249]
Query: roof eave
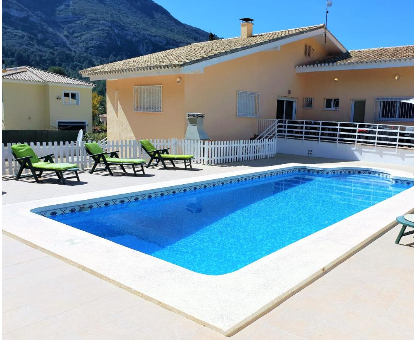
[34,82]
[355,66]
[198,66]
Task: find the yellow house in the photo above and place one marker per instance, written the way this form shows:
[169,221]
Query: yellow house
[302,73]
[38,100]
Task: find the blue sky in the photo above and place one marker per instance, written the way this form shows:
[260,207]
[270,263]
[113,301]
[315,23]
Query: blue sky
[356,23]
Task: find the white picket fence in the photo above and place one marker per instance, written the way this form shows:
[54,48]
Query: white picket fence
[205,152]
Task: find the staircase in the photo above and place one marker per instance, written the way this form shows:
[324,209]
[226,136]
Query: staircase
[269,133]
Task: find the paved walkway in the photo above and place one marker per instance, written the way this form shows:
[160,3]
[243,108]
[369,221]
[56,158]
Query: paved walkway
[369,296]
[28,190]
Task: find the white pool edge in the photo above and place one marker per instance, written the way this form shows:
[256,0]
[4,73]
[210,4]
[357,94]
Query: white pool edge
[222,306]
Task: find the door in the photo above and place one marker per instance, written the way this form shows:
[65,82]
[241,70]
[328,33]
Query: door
[286,108]
[358,111]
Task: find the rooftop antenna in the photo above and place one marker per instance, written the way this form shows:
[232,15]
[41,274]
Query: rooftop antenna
[328,4]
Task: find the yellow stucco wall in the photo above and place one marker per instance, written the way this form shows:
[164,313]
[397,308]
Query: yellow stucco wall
[352,85]
[270,73]
[127,124]
[60,111]
[30,106]
[25,106]
[213,92]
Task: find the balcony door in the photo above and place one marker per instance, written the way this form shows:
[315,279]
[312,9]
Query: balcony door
[358,111]
[286,108]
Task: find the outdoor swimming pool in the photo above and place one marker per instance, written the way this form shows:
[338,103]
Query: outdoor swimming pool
[221,229]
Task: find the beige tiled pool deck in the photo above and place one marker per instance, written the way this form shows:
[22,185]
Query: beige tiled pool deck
[369,296]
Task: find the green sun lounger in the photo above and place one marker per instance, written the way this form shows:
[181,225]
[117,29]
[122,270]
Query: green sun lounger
[407,221]
[111,158]
[163,155]
[27,159]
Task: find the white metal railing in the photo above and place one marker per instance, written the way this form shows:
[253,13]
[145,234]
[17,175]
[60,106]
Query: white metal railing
[398,136]
[205,152]
[263,124]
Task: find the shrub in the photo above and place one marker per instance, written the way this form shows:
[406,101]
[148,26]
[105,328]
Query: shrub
[94,136]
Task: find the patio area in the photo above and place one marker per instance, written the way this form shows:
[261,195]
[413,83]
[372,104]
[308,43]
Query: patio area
[366,297]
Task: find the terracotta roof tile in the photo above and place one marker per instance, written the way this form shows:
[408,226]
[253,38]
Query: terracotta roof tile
[28,73]
[372,55]
[194,53]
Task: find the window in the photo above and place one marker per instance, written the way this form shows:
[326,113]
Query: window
[394,109]
[332,104]
[71,97]
[307,102]
[116,99]
[148,98]
[308,51]
[72,125]
[248,104]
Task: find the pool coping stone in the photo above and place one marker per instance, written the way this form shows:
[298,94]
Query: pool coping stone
[225,303]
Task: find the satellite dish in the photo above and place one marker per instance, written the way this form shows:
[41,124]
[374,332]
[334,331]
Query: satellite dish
[80,136]
[328,3]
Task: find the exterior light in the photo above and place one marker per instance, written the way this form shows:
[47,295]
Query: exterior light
[179,80]
[289,91]
[58,97]
[336,79]
[397,77]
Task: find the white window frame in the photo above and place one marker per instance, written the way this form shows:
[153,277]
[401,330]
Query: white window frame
[378,109]
[77,101]
[306,102]
[332,107]
[145,98]
[248,104]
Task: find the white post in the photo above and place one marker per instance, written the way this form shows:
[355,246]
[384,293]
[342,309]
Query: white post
[320,131]
[356,134]
[3,160]
[398,137]
[337,133]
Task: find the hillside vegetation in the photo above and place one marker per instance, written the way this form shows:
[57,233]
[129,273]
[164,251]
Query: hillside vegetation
[77,34]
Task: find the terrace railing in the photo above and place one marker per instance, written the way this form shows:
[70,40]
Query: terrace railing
[395,136]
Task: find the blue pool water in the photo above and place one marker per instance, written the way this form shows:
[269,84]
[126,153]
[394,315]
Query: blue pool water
[219,230]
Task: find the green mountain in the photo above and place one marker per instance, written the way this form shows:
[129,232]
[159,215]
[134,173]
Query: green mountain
[77,34]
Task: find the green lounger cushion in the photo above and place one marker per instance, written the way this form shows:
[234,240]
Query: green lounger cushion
[94,148]
[24,150]
[150,147]
[147,145]
[125,160]
[55,166]
[178,157]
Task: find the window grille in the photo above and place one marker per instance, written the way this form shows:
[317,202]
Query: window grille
[148,98]
[332,103]
[307,102]
[248,104]
[393,109]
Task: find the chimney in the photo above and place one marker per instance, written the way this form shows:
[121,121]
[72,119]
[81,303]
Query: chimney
[195,127]
[246,27]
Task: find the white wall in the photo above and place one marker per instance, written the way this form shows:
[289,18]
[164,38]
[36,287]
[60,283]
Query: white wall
[349,152]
